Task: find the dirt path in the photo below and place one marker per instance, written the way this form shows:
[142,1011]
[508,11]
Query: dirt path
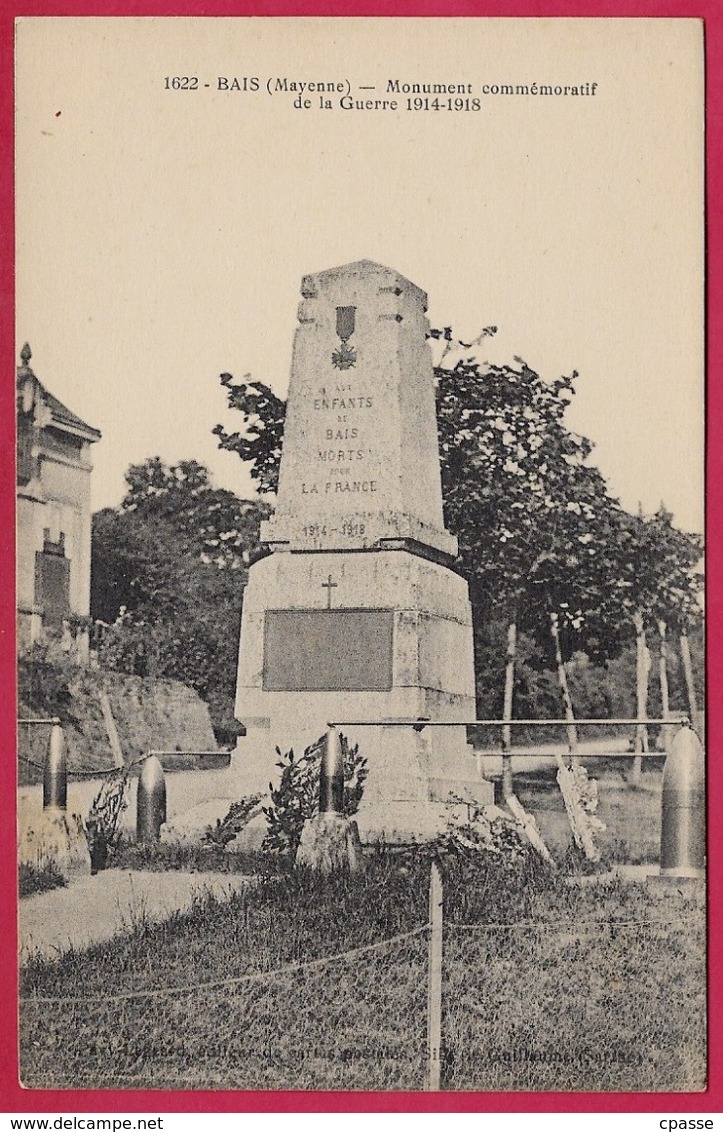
[93,909]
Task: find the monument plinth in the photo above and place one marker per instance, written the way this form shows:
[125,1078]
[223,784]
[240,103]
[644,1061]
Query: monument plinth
[356,613]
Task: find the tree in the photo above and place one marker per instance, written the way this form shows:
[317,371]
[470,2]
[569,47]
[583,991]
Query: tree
[540,537]
[659,585]
[677,594]
[219,525]
[531,514]
[168,571]
[259,445]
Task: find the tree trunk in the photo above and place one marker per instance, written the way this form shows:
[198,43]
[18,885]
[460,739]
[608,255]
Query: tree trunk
[507,708]
[689,682]
[572,740]
[642,672]
[664,693]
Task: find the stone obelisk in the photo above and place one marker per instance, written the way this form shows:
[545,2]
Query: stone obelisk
[356,613]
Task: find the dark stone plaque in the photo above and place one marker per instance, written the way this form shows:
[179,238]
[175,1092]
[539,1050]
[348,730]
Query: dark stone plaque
[328,650]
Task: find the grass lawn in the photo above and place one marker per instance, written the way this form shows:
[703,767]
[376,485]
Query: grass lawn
[632,816]
[606,993]
[297,983]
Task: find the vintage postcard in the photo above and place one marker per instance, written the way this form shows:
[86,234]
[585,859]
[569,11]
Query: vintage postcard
[360,482]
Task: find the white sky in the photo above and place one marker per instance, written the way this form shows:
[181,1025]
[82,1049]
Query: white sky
[162,236]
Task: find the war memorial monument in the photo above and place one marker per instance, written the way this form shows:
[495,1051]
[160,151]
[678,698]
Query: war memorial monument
[356,612]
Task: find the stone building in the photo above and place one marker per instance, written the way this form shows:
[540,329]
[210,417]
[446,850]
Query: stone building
[53,512]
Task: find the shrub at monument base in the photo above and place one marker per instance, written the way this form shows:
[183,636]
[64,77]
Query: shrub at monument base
[296,798]
[545,986]
[226,829]
[632,835]
[101,826]
[246,826]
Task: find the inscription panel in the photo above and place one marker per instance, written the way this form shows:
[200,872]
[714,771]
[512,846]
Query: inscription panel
[344,439]
[328,650]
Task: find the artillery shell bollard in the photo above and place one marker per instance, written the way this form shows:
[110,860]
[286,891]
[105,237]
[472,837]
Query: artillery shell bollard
[331,778]
[55,836]
[151,802]
[330,841]
[682,836]
[55,772]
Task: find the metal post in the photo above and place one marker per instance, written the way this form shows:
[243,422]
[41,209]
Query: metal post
[434,991]
[55,772]
[682,833]
[331,780]
[151,802]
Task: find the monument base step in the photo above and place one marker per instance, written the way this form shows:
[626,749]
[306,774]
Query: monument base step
[407,822]
[391,821]
[470,791]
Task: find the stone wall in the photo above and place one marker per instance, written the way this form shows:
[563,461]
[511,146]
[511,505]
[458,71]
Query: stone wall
[149,715]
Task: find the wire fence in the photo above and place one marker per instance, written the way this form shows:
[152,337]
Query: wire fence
[602,1006]
[612,1002]
[349,1021]
[605,1003]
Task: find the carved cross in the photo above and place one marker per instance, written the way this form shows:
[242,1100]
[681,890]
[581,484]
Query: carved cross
[328,586]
